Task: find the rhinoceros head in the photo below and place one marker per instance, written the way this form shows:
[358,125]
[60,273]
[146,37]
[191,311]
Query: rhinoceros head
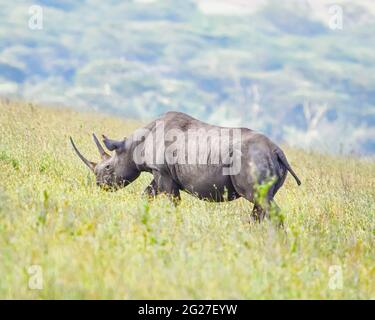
[112,171]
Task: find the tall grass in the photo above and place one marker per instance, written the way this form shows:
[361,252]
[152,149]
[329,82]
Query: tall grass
[88,243]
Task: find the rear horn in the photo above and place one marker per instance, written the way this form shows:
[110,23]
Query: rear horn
[103,154]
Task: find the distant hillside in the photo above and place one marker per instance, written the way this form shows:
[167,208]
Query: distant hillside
[275,68]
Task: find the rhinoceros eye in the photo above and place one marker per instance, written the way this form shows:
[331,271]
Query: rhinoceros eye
[107,167]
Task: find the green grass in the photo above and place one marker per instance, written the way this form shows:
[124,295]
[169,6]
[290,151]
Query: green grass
[95,244]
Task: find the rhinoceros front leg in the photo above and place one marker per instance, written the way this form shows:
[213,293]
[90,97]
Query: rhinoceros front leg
[151,190]
[166,185]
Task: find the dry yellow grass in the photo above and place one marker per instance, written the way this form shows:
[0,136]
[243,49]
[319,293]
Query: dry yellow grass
[88,243]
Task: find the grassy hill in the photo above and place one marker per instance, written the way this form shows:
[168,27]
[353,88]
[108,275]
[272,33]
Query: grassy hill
[94,244]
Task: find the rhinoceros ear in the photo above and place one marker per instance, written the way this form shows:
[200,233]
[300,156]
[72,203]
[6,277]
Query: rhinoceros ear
[113,144]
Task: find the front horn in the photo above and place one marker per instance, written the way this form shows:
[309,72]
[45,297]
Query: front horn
[88,163]
[103,154]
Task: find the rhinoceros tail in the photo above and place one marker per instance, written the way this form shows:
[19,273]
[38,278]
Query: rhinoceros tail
[282,158]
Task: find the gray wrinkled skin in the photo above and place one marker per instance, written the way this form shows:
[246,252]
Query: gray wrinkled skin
[261,160]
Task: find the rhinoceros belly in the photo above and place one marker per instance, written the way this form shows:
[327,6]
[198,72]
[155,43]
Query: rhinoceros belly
[205,182]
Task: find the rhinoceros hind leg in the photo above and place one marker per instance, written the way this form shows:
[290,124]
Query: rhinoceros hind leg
[258,213]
